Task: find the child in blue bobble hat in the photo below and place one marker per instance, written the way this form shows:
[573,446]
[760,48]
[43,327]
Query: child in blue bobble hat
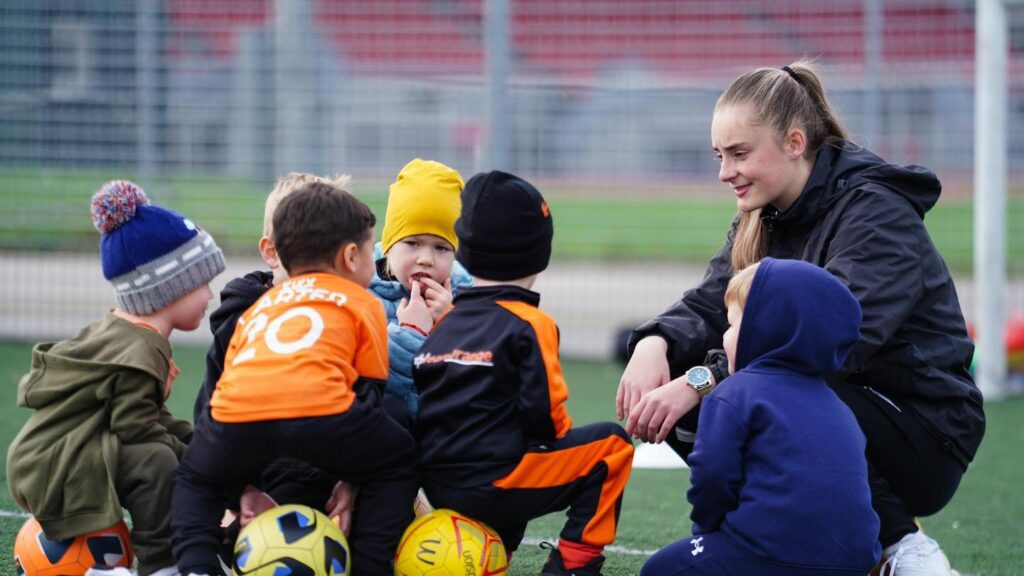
[101,437]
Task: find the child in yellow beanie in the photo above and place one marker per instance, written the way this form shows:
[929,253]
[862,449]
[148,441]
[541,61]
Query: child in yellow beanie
[416,270]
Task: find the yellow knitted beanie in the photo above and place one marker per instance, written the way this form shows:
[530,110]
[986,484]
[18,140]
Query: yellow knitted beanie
[423,200]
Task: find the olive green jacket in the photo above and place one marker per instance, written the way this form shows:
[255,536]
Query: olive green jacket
[91,394]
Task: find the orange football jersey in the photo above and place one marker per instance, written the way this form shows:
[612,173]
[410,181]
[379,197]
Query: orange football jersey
[298,351]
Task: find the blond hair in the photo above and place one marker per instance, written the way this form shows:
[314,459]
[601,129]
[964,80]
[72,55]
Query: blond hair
[290,183]
[780,99]
[739,286]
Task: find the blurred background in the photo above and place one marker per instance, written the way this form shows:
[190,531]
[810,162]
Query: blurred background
[605,105]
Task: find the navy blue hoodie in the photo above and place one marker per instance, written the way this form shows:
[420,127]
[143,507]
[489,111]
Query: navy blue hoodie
[779,463]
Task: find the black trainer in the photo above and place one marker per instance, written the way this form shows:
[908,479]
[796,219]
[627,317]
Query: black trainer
[555,567]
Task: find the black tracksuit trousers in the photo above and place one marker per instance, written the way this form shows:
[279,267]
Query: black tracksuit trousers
[585,471]
[362,446]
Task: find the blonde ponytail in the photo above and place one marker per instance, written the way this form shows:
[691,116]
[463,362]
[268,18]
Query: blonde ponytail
[751,242]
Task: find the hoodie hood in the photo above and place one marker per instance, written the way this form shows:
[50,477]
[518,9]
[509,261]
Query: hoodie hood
[848,166]
[799,317]
[238,296]
[75,368]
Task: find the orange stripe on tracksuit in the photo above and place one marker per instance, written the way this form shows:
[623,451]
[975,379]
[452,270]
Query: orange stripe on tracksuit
[547,336]
[542,470]
[546,469]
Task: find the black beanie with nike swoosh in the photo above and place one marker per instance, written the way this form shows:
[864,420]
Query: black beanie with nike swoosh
[504,229]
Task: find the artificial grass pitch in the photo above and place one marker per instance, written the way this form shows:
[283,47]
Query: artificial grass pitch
[980,529]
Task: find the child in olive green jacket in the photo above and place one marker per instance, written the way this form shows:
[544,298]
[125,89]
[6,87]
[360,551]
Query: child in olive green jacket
[101,437]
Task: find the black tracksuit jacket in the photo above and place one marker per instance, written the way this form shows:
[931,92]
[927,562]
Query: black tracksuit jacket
[490,386]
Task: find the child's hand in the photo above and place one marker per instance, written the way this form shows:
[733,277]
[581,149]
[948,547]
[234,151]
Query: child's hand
[252,504]
[438,297]
[340,505]
[415,311]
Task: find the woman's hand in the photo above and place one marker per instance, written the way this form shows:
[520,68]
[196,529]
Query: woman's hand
[415,310]
[653,417]
[647,370]
[437,296]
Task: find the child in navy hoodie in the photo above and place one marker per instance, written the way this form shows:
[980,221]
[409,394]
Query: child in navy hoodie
[779,480]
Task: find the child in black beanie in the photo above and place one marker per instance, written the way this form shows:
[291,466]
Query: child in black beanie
[496,441]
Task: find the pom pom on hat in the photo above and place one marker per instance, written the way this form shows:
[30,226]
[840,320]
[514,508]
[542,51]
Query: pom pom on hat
[115,203]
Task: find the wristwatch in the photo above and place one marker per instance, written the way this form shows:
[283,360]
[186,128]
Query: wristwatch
[699,378]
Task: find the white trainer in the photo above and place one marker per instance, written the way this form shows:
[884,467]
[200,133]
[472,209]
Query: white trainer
[915,555]
[422,506]
[115,571]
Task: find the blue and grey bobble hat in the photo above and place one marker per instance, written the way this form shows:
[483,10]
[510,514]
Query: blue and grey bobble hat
[152,255]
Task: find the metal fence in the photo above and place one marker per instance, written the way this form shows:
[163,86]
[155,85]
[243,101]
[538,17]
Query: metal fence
[205,102]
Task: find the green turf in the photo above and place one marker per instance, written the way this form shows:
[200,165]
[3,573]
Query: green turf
[980,529]
[46,210]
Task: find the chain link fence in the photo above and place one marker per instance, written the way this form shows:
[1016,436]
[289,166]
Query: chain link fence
[605,104]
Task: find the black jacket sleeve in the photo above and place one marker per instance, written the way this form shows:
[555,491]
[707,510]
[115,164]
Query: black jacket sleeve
[877,251]
[215,363]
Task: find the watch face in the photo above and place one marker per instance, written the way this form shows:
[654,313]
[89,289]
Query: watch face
[698,375]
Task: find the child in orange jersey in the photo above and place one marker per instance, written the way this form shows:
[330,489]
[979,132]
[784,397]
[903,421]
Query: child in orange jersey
[303,377]
[496,442]
[285,481]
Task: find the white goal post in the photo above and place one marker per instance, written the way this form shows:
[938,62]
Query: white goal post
[990,178]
